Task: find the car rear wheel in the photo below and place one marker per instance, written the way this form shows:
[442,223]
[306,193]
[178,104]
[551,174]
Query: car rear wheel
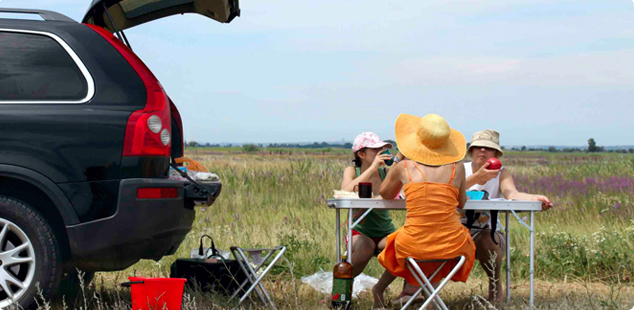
[29,254]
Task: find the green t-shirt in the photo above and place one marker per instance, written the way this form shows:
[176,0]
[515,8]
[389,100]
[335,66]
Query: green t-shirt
[378,223]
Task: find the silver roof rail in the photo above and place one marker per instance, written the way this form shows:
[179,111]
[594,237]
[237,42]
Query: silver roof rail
[45,14]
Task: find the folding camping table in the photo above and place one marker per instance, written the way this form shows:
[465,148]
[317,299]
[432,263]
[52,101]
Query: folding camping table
[503,205]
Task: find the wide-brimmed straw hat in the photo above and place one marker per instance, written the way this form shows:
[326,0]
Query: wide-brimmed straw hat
[429,140]
[486,138]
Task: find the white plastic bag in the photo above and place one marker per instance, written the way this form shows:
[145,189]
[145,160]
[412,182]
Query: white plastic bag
[206,176]
[193,174]
[322,281]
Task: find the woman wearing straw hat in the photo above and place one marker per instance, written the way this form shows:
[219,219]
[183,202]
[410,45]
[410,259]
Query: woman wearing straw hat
[485,144]
[433,178]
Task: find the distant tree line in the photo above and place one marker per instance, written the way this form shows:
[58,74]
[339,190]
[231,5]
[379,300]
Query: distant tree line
[592,147]
[314,145]
[196,144]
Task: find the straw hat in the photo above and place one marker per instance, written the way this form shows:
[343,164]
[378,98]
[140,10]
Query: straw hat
[486,138]
[429,140]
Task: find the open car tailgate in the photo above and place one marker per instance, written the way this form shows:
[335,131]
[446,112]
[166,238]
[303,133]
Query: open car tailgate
[129,13]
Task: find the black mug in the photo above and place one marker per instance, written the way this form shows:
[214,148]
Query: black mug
[365,189]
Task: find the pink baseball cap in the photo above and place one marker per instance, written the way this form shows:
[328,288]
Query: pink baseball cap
[369,140]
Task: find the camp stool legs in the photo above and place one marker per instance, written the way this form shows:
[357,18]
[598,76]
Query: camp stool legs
[251,273]
[424,283]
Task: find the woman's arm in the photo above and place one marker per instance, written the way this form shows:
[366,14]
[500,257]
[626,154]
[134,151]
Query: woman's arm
[481,176]
[509,191]
[392,184]
[462,194]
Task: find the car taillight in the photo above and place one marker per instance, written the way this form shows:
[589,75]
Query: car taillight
[177,132]
[148,130]
[156,192]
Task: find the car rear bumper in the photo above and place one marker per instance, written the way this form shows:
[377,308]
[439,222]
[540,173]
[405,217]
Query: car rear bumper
[140,228]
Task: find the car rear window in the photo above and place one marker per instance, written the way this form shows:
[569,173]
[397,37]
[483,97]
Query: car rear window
[35,67]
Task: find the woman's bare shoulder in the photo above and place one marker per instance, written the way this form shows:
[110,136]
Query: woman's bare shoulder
[460,167]
[400,166]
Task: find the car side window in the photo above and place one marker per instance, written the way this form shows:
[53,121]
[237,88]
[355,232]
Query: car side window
[35,67]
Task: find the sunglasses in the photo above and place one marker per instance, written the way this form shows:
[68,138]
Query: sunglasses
[488,149]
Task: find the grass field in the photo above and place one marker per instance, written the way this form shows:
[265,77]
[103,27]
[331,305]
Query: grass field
[584,246]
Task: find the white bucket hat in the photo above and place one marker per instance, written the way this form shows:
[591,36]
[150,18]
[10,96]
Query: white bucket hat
[486,138]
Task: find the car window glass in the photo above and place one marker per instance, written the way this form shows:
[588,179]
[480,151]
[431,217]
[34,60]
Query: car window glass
[35,67]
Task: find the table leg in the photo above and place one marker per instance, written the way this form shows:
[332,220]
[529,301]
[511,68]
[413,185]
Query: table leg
[350,236]
[508,258]
[338,233]
[532,262]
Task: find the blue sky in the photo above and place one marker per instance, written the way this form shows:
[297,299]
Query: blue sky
[540,72]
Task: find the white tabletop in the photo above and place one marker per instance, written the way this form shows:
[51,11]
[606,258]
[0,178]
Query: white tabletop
[399,204]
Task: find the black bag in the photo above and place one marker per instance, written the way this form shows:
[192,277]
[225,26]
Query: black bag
[209,275]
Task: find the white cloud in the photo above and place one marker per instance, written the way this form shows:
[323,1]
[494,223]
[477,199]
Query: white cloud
[588,69]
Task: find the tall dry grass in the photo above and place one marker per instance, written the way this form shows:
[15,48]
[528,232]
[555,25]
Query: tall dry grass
[584,245]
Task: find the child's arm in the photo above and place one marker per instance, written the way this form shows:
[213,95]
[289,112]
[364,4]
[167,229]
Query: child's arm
[347,183]
[349,180]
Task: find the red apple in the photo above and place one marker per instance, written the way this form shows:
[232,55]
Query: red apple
[494,164]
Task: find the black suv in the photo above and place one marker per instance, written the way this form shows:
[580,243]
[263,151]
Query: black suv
[88,136]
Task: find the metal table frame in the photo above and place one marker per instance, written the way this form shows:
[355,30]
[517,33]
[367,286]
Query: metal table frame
[506,206]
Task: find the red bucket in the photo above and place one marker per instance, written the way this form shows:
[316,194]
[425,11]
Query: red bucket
[156,293]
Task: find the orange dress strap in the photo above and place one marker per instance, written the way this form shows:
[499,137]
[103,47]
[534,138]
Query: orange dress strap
[453,174]
[408,176]
[421,172]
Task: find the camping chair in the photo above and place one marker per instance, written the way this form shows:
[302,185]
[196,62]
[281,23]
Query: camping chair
[425,285]
[252,274]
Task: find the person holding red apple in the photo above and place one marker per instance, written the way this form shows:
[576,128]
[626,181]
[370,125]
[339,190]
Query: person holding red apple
[485,150]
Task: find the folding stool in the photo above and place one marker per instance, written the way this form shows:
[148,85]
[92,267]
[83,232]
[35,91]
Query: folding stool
[252,276]
[425,285]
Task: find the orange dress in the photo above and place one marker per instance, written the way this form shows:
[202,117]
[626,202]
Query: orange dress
[432,230]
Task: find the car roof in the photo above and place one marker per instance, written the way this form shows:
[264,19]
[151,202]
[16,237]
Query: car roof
[44,14]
